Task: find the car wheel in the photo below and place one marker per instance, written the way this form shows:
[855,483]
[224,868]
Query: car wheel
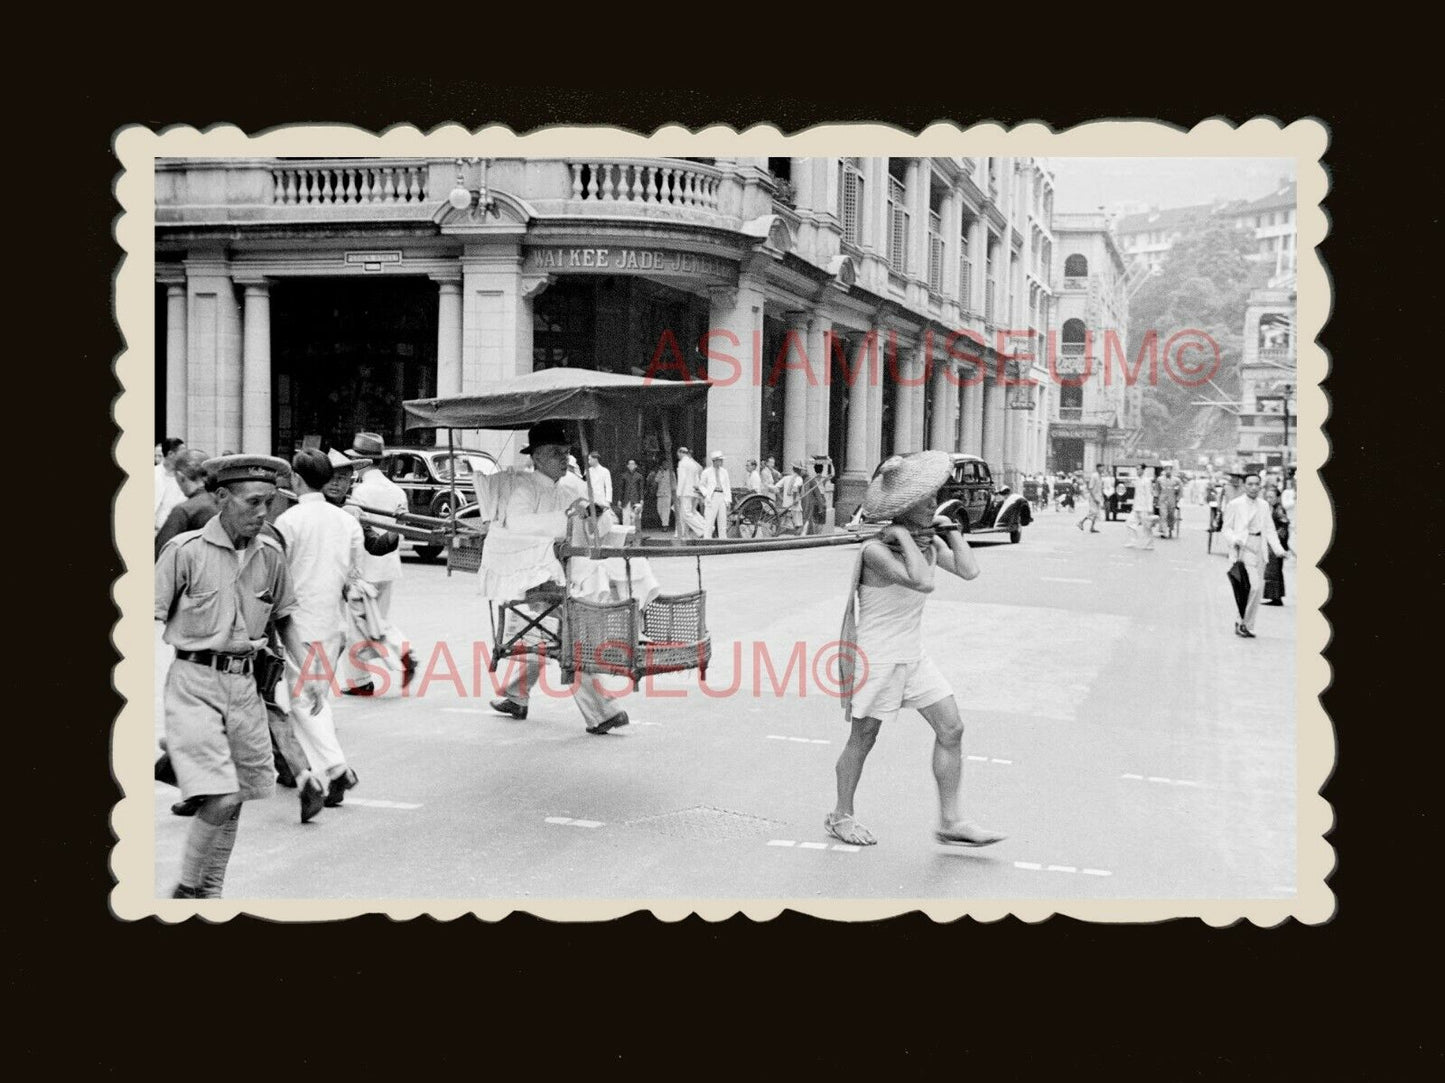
[428,553]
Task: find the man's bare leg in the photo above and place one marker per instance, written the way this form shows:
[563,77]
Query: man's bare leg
[849,770]
[947,726]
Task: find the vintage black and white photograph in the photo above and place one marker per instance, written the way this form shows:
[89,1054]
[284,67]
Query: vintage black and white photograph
[850,522]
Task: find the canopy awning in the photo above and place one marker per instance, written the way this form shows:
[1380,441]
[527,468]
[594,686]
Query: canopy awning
[562,394]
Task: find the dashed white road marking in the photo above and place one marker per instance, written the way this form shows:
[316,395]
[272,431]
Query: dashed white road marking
[1059,579]
[840,848]
[1034,866]
[799,740]
[567,821]
[372,802]
[990,759]
[1160,779]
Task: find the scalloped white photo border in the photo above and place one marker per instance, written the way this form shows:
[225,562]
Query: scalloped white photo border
[137,148]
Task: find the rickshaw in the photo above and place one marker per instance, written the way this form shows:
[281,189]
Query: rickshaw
[669,633]
[754,515]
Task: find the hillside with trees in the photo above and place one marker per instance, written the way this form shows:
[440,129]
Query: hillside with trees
[1203,284]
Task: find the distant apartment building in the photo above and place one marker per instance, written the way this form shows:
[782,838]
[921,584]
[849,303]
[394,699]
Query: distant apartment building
[1145,236]
[1095,415]
[1267,420]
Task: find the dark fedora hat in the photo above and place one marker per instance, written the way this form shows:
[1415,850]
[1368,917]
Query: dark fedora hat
[543,434]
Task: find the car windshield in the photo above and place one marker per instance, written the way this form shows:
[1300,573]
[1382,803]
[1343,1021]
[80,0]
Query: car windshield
[466,466]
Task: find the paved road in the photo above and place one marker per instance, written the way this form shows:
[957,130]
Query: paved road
[1129,744]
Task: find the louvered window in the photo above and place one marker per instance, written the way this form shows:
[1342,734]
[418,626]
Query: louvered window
[850,200]
[897,226]
[935,251]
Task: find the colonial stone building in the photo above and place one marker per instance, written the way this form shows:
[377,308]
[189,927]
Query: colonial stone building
[838,304]
[1095,418]
[1268,416]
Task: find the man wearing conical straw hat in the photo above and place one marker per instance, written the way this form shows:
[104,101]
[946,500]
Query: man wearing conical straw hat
[883,636]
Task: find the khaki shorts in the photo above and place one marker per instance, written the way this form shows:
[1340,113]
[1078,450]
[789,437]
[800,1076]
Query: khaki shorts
[891,686]
[216,733]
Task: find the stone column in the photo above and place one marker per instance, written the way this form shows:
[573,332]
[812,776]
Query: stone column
[496,339]
[899,371]
[945,407]
[174,423]
[820,391]
[918,439]
[256,370]
[449,334]
[449,339]
[916,193]
[994,412]
[978,255]
[860,407]
[801,370]
[735,403]
[213,356]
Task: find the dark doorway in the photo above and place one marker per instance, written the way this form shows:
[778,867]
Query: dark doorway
[844,358]
[636,326]
[346,352]
[773,412]
[1068,454]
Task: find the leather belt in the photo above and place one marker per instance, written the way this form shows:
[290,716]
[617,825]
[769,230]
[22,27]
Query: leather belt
[1256,534]
[225,663]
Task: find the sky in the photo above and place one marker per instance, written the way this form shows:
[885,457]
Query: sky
[1085,184]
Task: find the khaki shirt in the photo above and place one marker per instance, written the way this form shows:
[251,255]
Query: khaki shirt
[213,596]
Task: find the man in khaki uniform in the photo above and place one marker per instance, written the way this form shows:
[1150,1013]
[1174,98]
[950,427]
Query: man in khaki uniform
[216,590]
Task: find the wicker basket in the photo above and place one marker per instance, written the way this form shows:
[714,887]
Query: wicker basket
[675,637]
[465,553]
[602,637]
[599,637]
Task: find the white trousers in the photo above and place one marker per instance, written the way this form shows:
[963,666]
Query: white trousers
[690,523]
[715,517]
[1252,556]
[317,732]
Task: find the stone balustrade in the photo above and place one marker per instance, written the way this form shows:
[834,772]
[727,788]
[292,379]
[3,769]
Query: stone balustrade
[650,182]
[329,183]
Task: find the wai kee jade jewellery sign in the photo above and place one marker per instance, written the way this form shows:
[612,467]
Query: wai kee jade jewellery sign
[611,260]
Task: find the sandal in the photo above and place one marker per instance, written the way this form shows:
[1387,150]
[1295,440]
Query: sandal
[967,834]
[844,828]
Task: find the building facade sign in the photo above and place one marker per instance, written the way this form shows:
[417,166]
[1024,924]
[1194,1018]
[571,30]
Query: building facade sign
[629,260]
[373,262]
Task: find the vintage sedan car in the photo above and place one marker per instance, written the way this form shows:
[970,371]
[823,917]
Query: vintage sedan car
[982,507]
[425,475]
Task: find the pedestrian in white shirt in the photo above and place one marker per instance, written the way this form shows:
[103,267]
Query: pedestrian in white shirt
[755,477]
[790,496]
[1248,526]
[690,522]
[601,479]
[169,495]
[324,548]
[716,490]
[382,570]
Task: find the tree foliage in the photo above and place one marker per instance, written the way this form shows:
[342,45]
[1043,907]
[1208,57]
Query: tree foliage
[1202,285]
